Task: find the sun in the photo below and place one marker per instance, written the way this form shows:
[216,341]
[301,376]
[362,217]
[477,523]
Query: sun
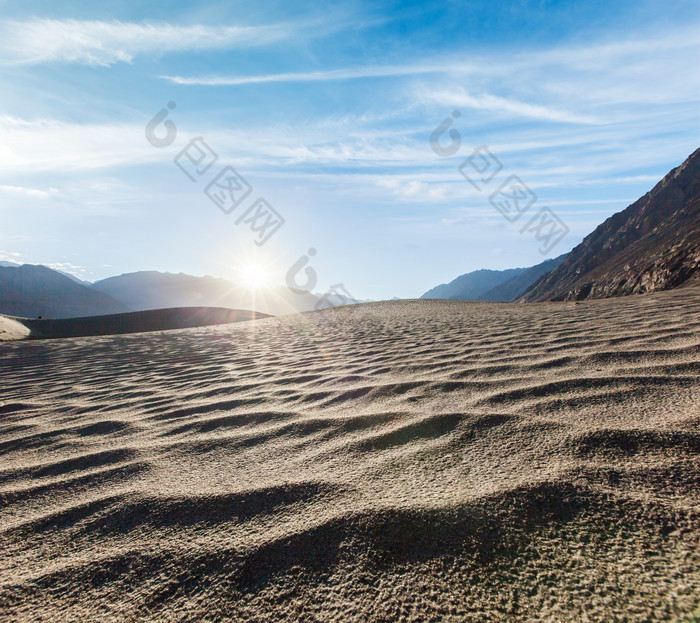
[253,276]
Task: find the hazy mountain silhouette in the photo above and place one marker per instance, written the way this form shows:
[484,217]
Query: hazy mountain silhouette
[515,286]
[654,244]
[498,286]
[471,286]
[155,290]
[31,291]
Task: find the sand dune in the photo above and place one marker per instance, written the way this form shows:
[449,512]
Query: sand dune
[413,460]
[12,329]
[118,324]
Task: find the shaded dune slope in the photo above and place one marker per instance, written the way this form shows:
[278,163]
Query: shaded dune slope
[136,322]
[415,460]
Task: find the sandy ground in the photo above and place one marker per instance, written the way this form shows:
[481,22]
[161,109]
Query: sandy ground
[411,460]
[11,329]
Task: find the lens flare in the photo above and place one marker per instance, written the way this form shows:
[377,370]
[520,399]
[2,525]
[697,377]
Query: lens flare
[253,276]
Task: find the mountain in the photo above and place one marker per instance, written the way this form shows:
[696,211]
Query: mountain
[498,286]
[5,264]
[471,286]
[146,290]
[31,291]
[654,244]
[154,290]
[515,286]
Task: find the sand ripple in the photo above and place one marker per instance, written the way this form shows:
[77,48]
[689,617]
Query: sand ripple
[415,460]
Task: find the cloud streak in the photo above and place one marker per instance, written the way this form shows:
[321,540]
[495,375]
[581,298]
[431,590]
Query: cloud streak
[568,79]
[51,145]
[313,76]
[461,98]
[23,191]
[102,43]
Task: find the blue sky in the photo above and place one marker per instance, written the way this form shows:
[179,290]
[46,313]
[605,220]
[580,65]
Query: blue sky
[327,112]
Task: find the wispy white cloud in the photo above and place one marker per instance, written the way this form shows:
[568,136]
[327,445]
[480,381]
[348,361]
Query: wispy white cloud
[566,84]
[68,268]
[396,160]
[105,43]
[313,76]
[421,191]
[35,193]
[33,146]
[10,256]
[461,98]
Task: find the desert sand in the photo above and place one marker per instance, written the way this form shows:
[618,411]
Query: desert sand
[12,329]
[409,460]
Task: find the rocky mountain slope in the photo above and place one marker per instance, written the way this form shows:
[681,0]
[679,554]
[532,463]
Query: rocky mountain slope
[654,244]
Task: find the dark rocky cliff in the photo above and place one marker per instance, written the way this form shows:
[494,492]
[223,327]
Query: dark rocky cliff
[654,244]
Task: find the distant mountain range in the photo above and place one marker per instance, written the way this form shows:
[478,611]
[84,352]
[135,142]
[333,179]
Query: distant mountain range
[498,286]
[31,291]
[470,286]
[510,289]
[654,244]
[146,290]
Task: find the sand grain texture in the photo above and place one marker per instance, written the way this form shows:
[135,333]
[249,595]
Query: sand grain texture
[413,460]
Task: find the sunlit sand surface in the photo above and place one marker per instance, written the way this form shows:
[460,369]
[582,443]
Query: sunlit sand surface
[411,460]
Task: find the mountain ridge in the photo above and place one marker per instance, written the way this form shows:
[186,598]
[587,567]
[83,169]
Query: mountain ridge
[146,290]
[653,244]
[33,290]
[469,286]
[515,286]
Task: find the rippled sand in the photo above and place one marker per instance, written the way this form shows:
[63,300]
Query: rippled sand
[415,460]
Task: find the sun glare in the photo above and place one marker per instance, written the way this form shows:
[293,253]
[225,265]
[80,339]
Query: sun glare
[253,276]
